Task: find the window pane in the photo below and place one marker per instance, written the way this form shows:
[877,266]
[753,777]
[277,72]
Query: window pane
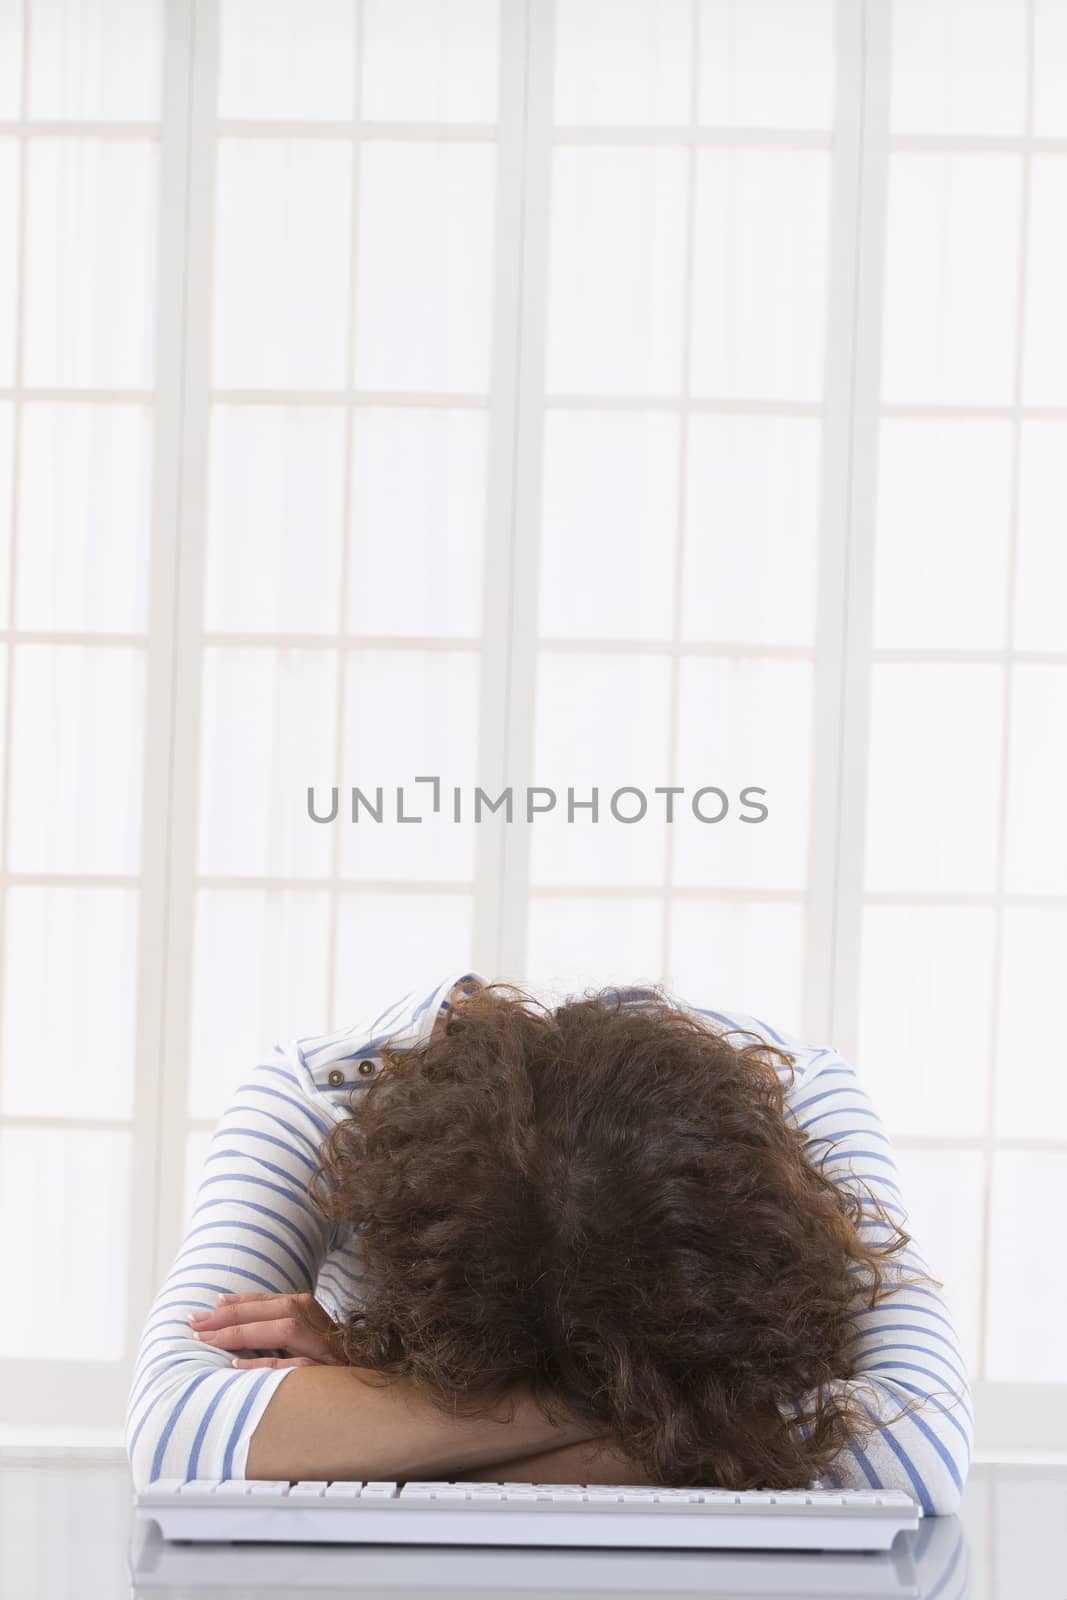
[96,61]
[281,263]
[1023,1293]
[944,509]
[287,59]
[573,945]
[767,63]
[616,264]
[1050,68]
[259,978]
[1037,782]
[7,450]
[70,970]
[626,63]
[759,286]
[10,58]
[601,722]
[85,508]
[76,759]
[958,66]
[430,60]
[933,777]
[424,275]
[1045,347]
[435,735]
[91,263]
[952,260]
[5,733]
[743,724]
[391,944]
[267,736]
[417,521]
[64,1223]
[751,537]
[275,519]
[1031,1096]
[927,1062]
[944,1193]
[609,514]
[1041,576]
[9,253]
[740,955]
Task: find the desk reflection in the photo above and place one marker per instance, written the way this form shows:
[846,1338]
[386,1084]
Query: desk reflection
[930,1562]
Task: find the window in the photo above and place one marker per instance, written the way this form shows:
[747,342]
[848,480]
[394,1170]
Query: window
[386,395]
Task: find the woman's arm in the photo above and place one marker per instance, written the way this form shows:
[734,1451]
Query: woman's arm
[342,1422]
[189,1413]
[906,1348]
[591,1461]
[254,1228]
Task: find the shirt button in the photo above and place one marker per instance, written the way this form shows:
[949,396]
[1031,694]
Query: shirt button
[335,1077]
[365,1067]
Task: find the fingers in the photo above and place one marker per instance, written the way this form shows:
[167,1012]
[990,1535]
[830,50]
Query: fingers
[279,1333]
[293,1323]
[237,1308]
[273,1361]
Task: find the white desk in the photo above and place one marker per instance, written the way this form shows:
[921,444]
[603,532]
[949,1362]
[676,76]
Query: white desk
[66,1531]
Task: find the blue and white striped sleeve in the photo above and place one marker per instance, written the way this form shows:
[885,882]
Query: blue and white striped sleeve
[254,1227]
[906,1348]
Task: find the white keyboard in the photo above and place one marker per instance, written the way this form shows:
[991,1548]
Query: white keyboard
[590,1515]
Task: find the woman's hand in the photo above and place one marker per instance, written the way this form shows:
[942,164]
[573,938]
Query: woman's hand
[295,1323]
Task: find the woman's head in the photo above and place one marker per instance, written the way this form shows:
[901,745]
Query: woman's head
[606,1203]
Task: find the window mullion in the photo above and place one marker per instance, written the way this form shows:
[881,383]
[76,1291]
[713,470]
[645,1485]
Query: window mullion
[838,861]
[520,621]
[502,447]
[161,661]
[171,1060]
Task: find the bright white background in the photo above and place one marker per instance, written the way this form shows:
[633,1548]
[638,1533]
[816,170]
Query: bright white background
[647,392]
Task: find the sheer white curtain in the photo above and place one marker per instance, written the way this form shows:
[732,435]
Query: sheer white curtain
[632,396]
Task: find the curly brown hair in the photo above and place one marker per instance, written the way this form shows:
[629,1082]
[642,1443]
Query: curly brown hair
[606,1204]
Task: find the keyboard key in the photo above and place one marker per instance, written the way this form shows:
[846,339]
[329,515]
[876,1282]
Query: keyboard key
[344,1491]
[159,1492]
[379,1491]
[308,1490]
[199,1489]
[432,1494]
[268,1489]
[232,1491]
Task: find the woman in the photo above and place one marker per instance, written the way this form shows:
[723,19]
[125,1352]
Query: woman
[625,1240]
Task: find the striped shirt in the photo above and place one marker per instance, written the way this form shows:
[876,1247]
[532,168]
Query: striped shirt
[253,1227]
